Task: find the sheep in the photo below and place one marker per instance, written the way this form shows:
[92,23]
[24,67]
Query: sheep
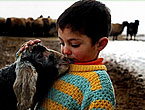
[29,29]
[24,84]
[117,29]
[132,29]
[16,26]
[37,26]
[13,26]
[2,26]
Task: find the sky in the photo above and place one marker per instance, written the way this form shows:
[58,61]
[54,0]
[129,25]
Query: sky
[120,10]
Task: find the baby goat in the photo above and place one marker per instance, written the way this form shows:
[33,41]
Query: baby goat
[24,84]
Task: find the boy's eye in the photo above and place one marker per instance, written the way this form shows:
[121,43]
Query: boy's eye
[75,46]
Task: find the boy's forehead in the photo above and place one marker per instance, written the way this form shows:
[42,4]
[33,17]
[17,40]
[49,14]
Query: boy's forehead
[64,30]
[69,32]
[68,35]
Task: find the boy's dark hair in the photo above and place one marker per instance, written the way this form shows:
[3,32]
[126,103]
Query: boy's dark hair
[88,17]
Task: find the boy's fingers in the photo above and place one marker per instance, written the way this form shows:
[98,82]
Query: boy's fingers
[36,41]
[22,49]
[29,43]
[26,47]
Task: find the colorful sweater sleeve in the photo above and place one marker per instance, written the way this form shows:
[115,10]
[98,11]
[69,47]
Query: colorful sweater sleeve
[102,98]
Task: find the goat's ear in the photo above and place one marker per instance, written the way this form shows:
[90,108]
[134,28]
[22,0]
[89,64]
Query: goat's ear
[25,85]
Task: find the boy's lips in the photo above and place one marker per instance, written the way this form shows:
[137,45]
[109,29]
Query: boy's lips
[72,60]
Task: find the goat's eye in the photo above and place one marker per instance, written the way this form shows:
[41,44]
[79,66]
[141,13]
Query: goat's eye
[51,56]
[40,56]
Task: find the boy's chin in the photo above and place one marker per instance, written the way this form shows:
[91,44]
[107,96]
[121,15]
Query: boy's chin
[72,61]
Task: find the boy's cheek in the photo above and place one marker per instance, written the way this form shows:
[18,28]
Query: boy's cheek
[78,56]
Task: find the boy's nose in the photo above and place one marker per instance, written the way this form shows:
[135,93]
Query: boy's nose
[66,51]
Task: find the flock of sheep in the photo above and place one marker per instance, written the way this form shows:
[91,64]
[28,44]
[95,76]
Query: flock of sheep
[132,29]
[14,26]
[47,27]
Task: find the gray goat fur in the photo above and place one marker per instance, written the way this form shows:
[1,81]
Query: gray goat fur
[22,84]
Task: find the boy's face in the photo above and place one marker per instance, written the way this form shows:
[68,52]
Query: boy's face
[77,47]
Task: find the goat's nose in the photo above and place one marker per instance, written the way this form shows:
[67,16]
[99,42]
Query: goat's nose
[66,59]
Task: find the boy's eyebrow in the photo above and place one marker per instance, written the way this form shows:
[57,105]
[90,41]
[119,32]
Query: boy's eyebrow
[74,39]
[70,39]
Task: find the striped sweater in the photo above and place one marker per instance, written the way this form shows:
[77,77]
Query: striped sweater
[84,87]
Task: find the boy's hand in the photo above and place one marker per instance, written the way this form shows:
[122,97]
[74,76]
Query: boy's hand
[29,43]
[26,46]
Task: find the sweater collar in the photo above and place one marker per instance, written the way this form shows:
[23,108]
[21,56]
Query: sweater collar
[99,61]
[88,66]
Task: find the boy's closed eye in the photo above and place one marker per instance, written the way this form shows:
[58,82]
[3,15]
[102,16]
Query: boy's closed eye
[75,45]
[72,45]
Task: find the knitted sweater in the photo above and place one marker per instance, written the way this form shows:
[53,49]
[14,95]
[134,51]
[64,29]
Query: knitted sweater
[84,87]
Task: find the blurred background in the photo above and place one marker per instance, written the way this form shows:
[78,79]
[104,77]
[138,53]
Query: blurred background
[124,56]
[121,10]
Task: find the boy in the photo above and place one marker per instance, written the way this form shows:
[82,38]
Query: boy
[83,29]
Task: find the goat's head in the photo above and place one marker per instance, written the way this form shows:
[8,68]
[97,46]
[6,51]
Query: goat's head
[35,68]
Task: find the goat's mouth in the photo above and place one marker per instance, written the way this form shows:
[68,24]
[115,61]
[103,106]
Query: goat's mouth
[62,68]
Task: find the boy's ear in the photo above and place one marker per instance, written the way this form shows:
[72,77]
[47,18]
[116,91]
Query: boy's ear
[102,43]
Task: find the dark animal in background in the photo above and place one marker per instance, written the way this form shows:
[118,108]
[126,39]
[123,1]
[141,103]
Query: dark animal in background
[117,29]
[37,26]
[46,26]
[16,26]
[24,84]
[53,30]
[132,29]
[2,26]
[29,30]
